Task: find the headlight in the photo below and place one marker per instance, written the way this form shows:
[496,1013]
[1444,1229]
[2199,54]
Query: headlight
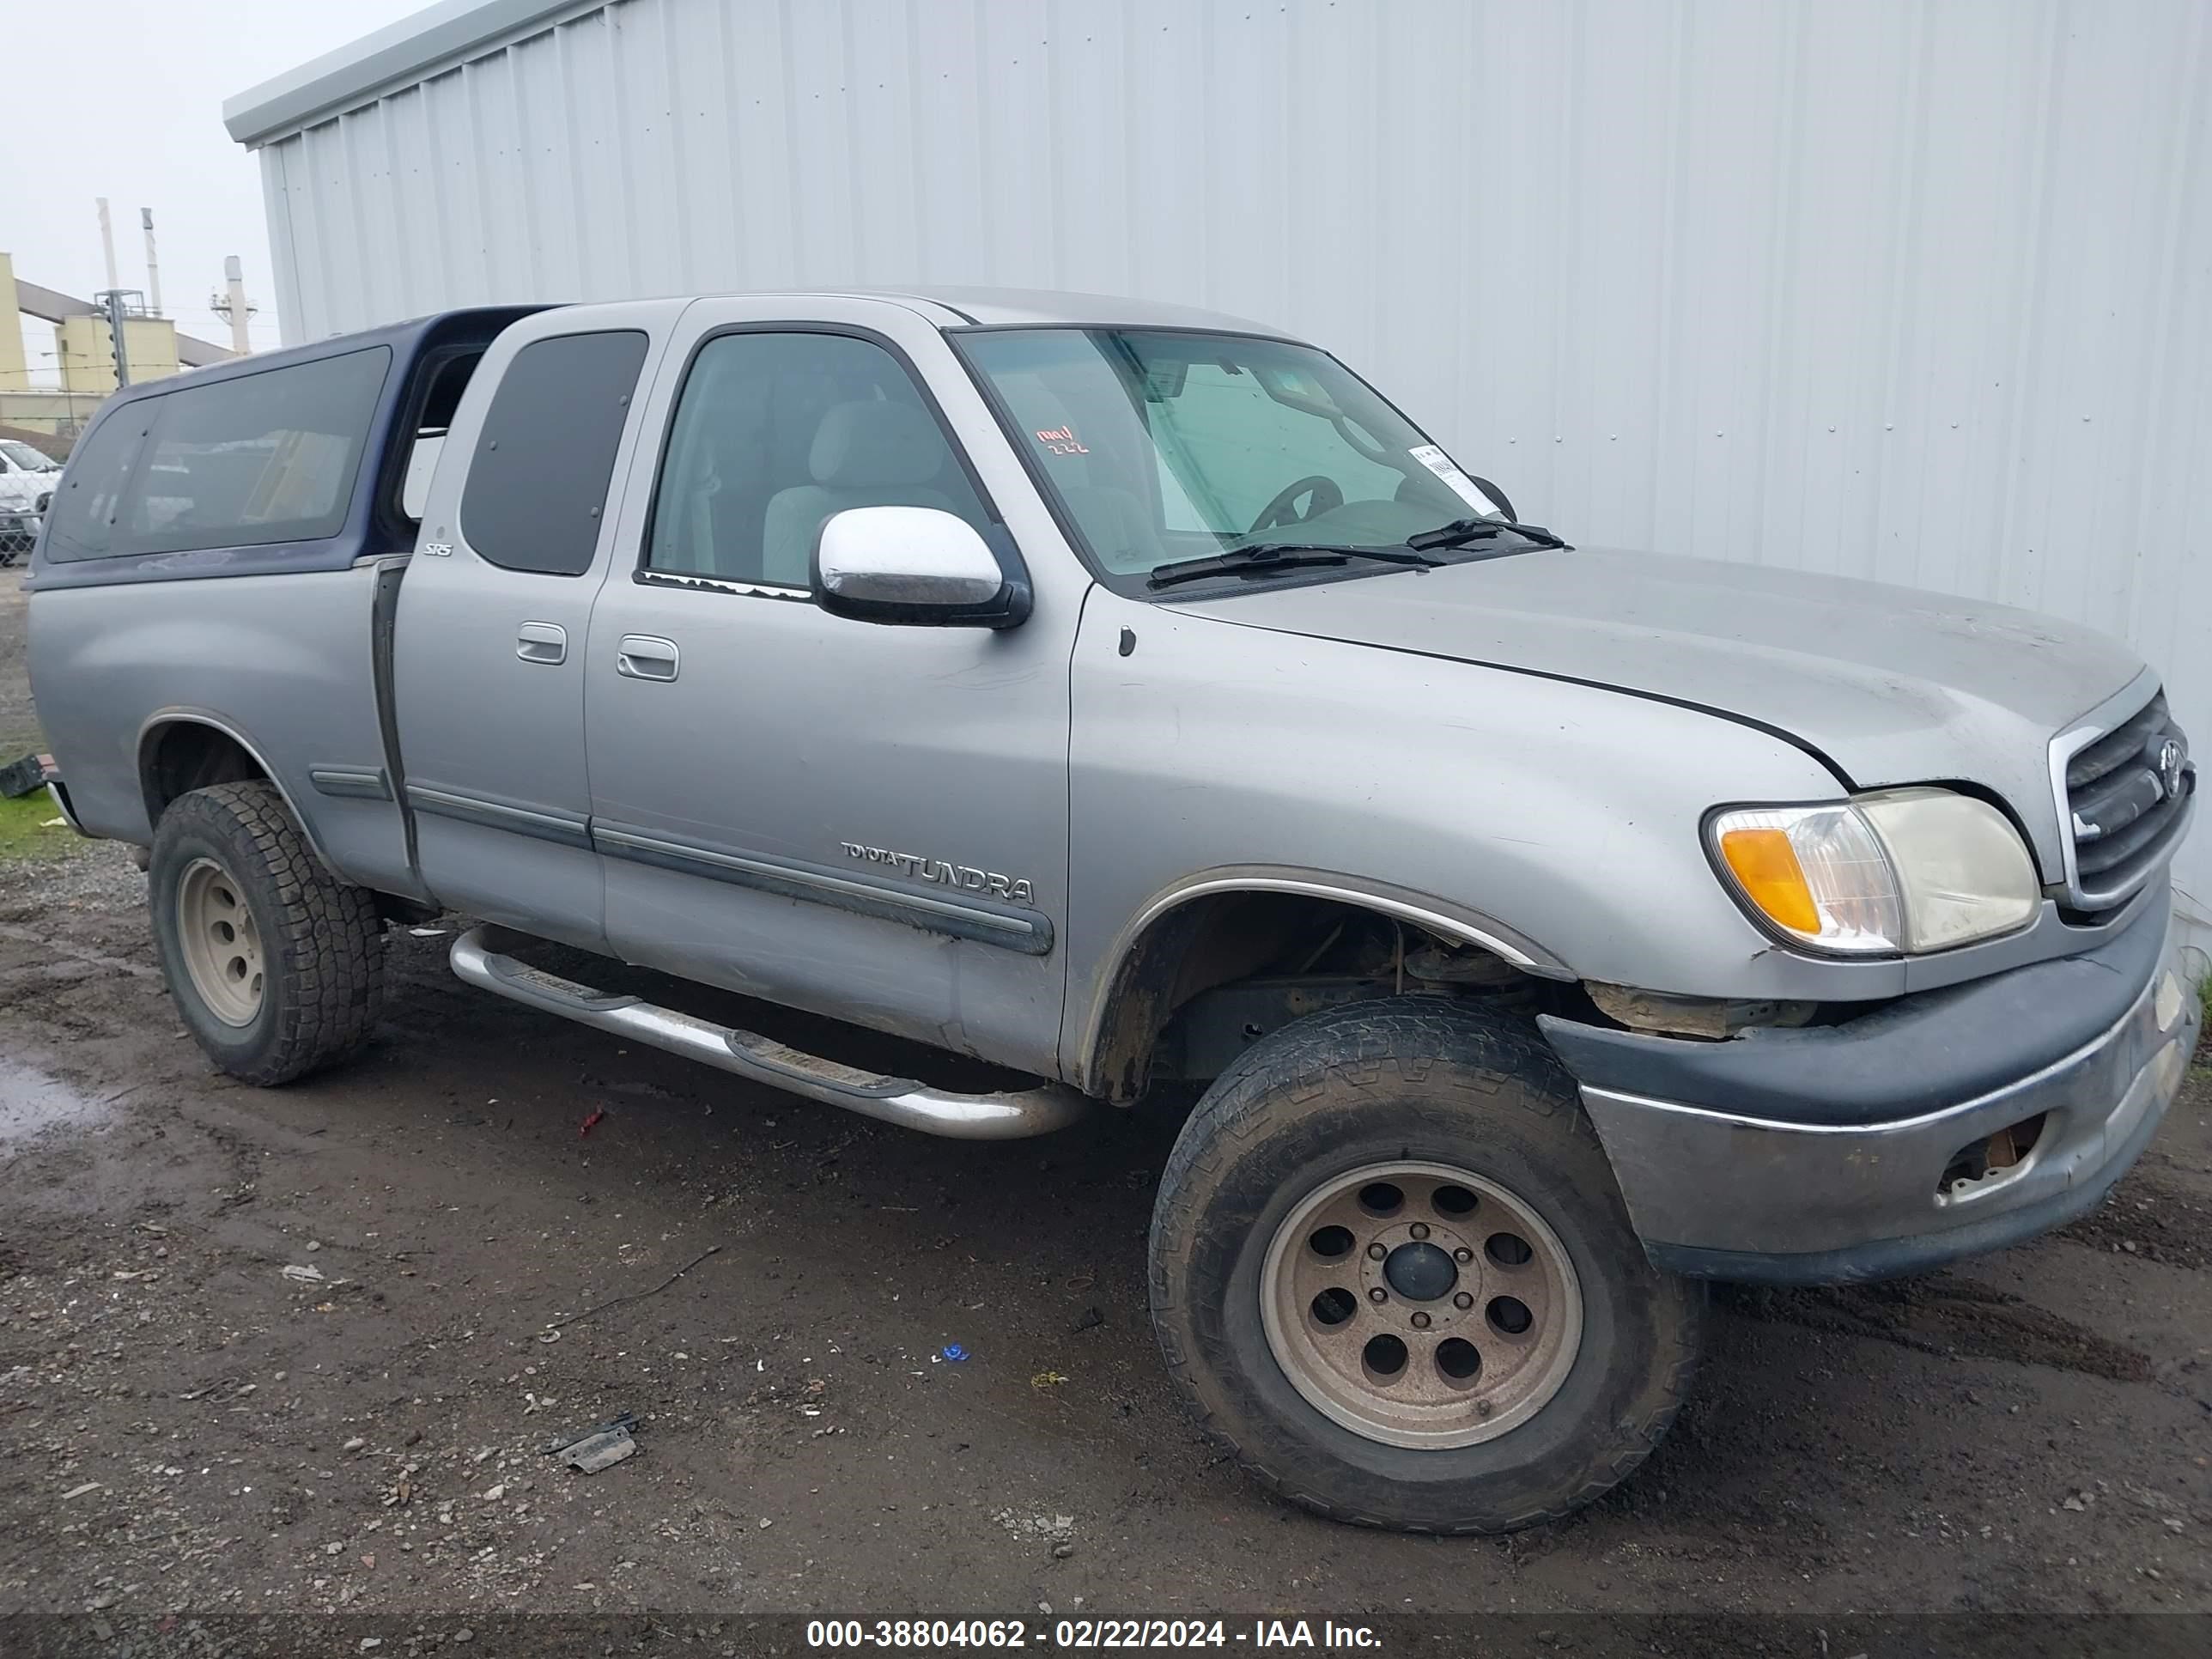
[1905,870]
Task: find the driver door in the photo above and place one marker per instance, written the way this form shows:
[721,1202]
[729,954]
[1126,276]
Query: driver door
[867,821]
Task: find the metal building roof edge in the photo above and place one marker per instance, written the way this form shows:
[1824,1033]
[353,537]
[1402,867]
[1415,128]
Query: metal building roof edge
[396,55]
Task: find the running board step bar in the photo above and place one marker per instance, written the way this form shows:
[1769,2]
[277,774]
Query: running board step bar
[762,1059]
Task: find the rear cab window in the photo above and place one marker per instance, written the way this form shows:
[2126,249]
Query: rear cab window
[439,384]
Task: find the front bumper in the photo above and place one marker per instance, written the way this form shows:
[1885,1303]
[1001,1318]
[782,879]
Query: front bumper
[1819,1156]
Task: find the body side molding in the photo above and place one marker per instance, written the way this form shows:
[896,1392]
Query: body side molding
[1009,927]
[350,782]
[566,830]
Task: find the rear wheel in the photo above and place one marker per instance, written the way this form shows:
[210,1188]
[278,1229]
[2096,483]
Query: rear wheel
[275,966]
[221,943]
[1393,1273]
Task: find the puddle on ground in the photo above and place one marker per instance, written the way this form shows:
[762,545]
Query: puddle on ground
[31,1100]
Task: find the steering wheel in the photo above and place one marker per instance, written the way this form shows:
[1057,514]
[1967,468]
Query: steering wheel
[1326,497]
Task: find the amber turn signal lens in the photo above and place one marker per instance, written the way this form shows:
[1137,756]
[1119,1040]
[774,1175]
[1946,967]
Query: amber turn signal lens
[1765,868]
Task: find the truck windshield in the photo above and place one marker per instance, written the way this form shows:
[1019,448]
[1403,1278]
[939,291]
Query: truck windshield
[1164,446]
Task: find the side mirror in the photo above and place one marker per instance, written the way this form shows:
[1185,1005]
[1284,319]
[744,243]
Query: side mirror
[1495,493]
[916,565]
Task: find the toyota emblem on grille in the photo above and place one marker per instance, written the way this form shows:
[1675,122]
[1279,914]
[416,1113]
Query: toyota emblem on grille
[2171,762]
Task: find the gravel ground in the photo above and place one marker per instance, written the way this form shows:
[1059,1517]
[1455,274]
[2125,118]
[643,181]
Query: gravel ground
[185,1427]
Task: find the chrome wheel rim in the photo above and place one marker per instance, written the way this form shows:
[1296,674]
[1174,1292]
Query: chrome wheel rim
[221,945]
[1420,1306]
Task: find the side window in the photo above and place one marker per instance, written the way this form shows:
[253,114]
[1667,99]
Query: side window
[81,523]
[421,462]
[537,478]
[439,399]
[247,462]
[773,433]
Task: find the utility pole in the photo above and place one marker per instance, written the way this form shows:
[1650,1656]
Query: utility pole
[153,269]
[231,304]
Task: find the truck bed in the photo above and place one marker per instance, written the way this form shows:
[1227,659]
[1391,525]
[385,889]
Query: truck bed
[215,584]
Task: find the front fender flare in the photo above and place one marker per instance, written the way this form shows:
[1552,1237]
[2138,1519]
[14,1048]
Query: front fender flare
[1443,917]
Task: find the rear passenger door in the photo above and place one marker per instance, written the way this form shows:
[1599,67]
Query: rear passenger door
[493,617]
[863,820]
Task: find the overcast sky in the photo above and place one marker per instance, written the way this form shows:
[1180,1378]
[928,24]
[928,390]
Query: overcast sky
[124,101]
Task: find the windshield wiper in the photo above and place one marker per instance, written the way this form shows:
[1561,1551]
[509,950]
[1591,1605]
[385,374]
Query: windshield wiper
[1461,531]
[1280,556]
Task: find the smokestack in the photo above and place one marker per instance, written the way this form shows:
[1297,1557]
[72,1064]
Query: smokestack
[107,244]
[153,269]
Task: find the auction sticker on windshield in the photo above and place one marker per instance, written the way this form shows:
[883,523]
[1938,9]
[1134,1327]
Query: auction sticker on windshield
[1447,468]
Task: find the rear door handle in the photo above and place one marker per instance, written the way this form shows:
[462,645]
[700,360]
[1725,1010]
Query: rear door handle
[647,657]
[543,642]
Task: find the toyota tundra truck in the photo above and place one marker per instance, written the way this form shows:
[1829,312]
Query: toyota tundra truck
[1132,698]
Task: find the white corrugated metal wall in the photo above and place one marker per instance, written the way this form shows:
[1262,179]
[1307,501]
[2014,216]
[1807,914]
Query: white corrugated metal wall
[1916,290]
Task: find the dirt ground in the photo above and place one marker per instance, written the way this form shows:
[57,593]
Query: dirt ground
[184,1427]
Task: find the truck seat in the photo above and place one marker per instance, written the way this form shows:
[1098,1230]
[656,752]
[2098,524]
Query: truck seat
[864,455]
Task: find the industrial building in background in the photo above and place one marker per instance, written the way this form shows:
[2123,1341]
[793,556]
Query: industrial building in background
[1921,292]
[119,336]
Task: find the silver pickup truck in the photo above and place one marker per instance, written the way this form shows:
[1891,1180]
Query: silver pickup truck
[1132,698]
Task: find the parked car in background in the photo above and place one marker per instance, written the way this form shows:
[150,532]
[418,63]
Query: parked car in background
[27,477]
[1126,695]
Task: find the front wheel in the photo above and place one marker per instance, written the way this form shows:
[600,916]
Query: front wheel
[276,967]
[1393,1274]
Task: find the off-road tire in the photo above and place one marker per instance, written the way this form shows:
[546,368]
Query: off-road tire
[322,939]
[1411,1078]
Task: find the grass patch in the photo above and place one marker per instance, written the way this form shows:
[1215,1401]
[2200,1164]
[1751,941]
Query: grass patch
[31,828]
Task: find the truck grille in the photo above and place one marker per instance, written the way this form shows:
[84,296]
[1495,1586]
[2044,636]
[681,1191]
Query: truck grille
[2127,799]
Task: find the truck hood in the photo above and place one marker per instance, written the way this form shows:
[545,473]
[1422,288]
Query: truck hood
[1890,685]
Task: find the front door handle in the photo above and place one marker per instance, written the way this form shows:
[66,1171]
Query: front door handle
[646,657]
[541,643]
